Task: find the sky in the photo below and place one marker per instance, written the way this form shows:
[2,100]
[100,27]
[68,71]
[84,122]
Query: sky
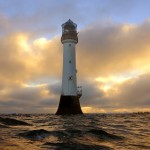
[112,54]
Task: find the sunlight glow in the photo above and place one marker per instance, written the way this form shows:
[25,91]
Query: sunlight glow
[93,110]
[107,83]
[35,85]
[22,42]
[127,28]
[106,87]
[41,42]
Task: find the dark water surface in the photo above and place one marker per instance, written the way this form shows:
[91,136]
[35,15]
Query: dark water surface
[81,132]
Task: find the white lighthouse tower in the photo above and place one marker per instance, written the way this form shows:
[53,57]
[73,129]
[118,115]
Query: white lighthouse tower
[69,100]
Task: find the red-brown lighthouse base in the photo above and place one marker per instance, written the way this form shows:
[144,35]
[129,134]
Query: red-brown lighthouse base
[69,105]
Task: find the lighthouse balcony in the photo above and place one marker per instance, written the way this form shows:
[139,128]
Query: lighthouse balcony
[79,91]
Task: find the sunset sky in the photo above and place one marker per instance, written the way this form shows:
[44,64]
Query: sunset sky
[113,54]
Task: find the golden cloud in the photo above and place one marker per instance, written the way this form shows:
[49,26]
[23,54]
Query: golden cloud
[108,50]
[108,59]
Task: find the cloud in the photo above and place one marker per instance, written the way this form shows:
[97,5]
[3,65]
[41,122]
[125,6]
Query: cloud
[129,96]
[136,92]
[29,99]
[109,48]
[91,92]
[36,17]
[55,88]
[116,54]
[23,61]
[45,18]
[4,24]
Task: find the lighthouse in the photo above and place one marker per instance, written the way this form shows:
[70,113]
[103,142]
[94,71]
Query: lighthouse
[70,94]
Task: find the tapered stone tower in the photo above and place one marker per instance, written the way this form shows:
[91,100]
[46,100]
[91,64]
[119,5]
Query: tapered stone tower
[69,100]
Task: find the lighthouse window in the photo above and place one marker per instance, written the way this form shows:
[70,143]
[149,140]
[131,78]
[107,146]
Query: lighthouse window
[70,61]
[70,78]
[69,44]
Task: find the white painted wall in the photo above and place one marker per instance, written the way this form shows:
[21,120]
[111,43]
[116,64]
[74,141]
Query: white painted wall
[69,81]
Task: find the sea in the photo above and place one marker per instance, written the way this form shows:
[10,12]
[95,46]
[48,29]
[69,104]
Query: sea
[128,131]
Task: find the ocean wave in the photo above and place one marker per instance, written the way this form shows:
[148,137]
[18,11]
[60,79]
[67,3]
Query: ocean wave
[13,122]
[35,134]
[105,135]
[86,132]
[75,146]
